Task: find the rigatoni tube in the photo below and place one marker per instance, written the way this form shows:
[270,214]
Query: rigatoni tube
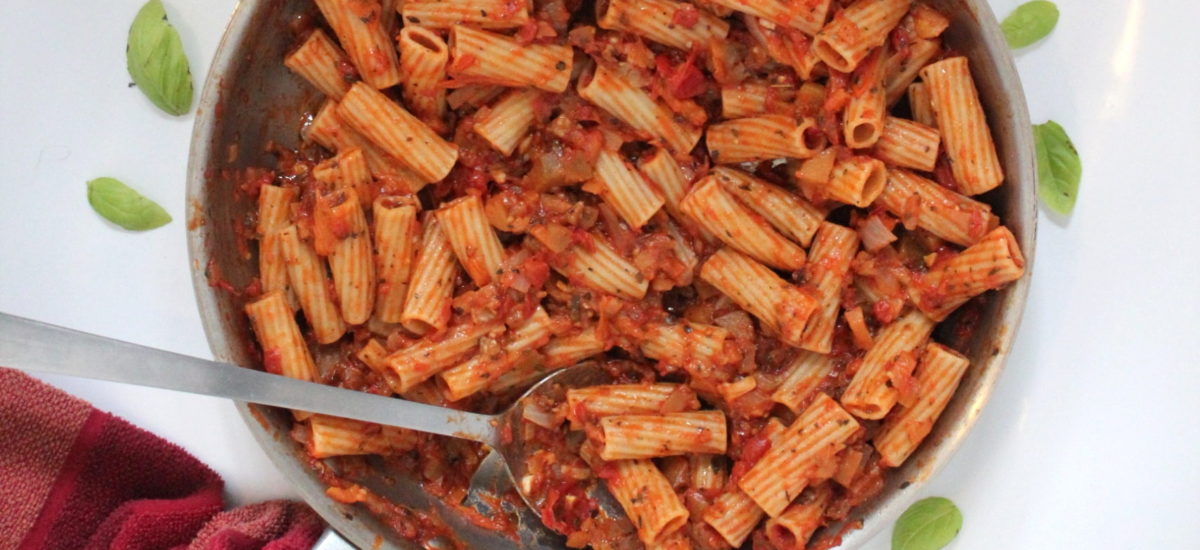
[610,91]
[785,470]
[319,61]
[307,275]
[423,57]
[871,393]
[358,26]
[284,350]
[482,57]
[654,435]
[397,132]
[783,308]
[713,208]
[472,238]
[396,234]
[937,377]
[965,133]
[655,20]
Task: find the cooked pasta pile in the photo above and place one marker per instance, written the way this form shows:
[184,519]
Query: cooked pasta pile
[754,213]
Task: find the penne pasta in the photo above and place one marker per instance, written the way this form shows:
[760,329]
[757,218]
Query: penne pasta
[828,268]
[507,122]
[991,263]
[782,308]
[397,132]
[937,376]
[872,393]
[656,21]
[785,470]
[719,213]
[963,124]
[320,61]
[308,278]
[472,238]
[359,28]
[791,215]
[485,14]
[423,58]
[653,435]
[613,93]
[427,302]
[907,144]
[856,30]
[763,137]
[283,348]
[940,211]
[482,57]
[396,233]
[625,190]
[857,180]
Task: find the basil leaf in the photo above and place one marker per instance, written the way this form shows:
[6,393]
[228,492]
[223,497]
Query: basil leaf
[120,204]
[1030,22]
[155,58]
[928,524]
[1059,168]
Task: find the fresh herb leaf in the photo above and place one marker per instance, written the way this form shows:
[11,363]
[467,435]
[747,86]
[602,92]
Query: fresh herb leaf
[928,524]
[120,204]
[155,58]
[1059,168]
[1030,22]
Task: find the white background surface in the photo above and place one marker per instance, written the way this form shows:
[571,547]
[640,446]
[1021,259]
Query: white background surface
[1089,441]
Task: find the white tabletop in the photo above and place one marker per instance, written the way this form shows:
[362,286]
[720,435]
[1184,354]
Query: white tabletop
[1087,442]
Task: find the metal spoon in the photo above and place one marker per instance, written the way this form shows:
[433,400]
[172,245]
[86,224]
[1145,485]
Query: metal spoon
[35,346]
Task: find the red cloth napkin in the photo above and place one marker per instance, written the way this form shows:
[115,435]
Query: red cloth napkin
[75,477]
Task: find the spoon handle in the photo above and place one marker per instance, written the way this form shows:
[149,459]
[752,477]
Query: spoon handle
[35,346]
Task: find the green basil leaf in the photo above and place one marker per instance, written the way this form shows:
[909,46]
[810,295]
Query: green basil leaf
[1030,22]
[928,524]
[155,58]
[1059,168]
[120,204]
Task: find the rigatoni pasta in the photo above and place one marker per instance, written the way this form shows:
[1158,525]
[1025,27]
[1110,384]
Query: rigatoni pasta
[963,124]
[482,57]
[359,27]
[423,58]
[320,61]
[512,188]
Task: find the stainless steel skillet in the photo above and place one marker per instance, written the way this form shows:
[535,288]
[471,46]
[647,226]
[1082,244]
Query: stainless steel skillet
[250,99]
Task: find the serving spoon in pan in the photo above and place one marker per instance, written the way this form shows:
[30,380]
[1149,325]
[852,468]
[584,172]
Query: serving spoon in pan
[39,347]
